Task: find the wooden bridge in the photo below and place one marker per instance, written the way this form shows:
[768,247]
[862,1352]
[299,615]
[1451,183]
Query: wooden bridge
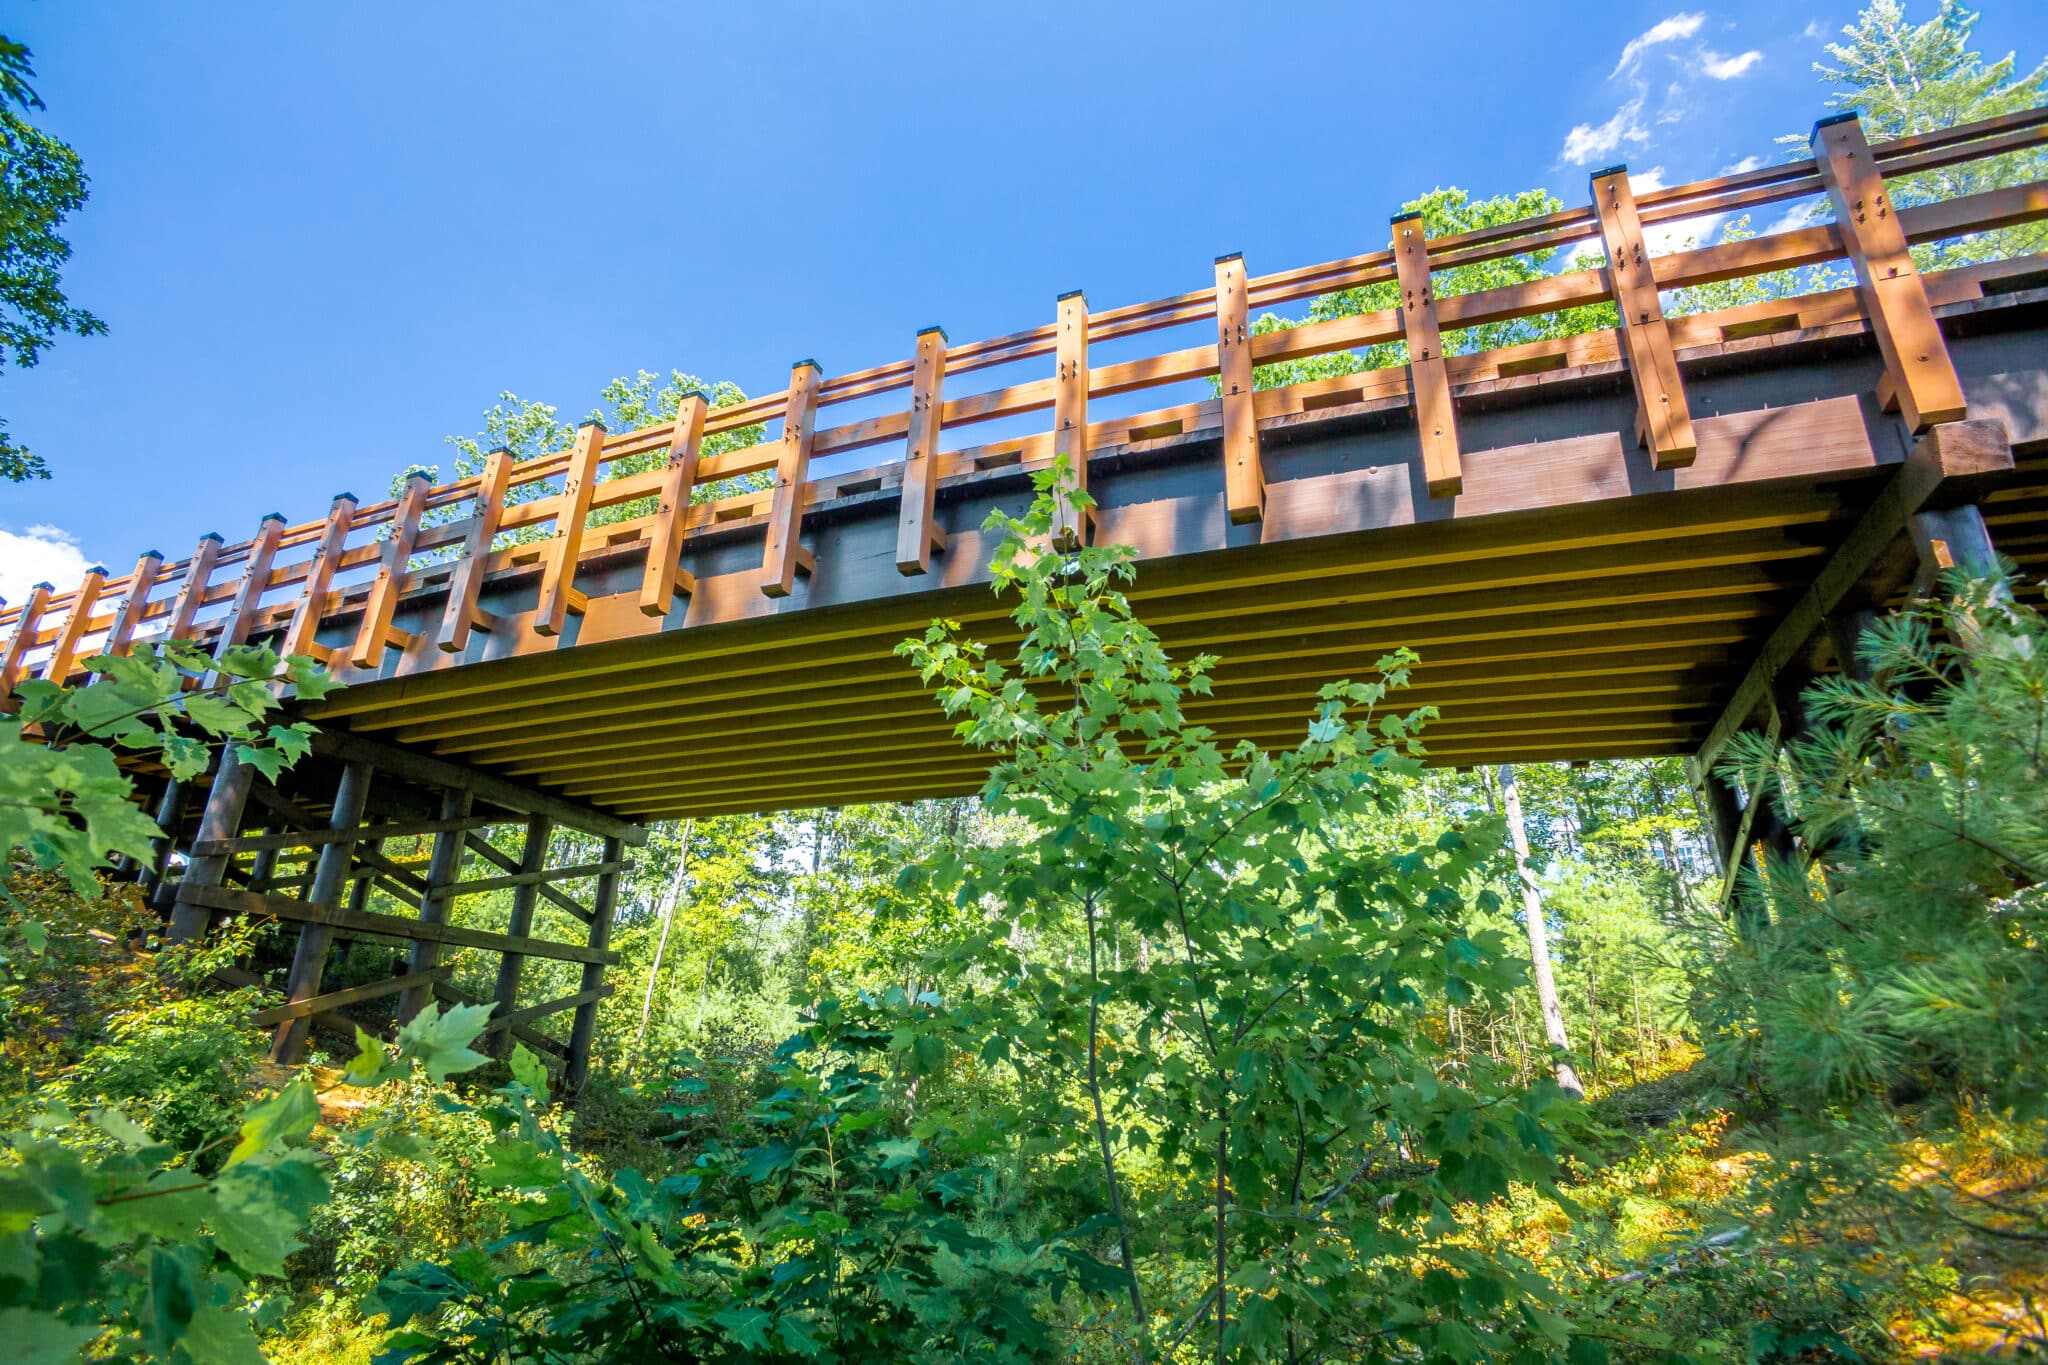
[1628,541]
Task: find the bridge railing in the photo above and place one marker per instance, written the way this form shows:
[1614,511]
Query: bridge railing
[286,579]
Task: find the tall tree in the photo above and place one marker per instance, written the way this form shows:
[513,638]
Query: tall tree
[1539,935]
[41,183]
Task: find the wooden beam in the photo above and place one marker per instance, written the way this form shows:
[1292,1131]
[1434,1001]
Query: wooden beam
[330,880]
[484,849]
[1070,420]
[553,1054]
[461,614]
[444,868]
[64,650]
[192,592]
[1920,380]
[1436,420]
[225,801]
[234,627]
[513,1020]
[526,877]
[1244,475]
[373,924]
[663,575]
[376,631]
[134,603]
[425,770]
[533,860]
[785,556]
[299,636]
[1663,421]
[353,995]
[558,595]
[1946,464]
[12,662]
[314,838]
[918,537]
[584,1030]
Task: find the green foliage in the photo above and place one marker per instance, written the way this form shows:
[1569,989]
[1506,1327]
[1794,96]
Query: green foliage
[41,184]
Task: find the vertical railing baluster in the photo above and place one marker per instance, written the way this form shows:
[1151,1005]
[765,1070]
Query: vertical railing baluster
[1436,417]
[461,614]
[1244,475]
[1663,418]
[917,535]
[785,556]
[663,575]
[558,595]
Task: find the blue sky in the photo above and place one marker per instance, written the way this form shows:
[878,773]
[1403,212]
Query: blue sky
[325,237]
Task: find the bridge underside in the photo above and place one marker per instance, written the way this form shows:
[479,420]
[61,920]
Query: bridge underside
[1571,603]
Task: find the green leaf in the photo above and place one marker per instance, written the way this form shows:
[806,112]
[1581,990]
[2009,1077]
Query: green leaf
[36,1338]
[746,1325]
[287,1116]
[439,1043]
[530,1072]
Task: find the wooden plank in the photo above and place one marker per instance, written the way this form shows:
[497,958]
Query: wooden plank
[1436,421]
[524,877]
[785,556]
[376,631]
[1070,420]
[533,859]
[1663,421]
[426,770]
[312,603]
[314,838]
[553,1054]
[461,614]
[917,534]
[64,651]
[584,1030]
[558,595]
[234,627]
[515,1019]
[484,849]
[1945,463]
[13,660]
[192,592]
[444,868]
[134,604]
[1244,475]
[222,816]
[663,575]
[353,995]
[330,880]
[371,923]
[1920,379]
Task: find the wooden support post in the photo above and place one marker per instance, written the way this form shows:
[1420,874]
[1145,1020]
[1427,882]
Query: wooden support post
[1244,475]
[917,535]
[13,662]
[64,652]
[376,631]
[185,606]
[461,615]
[1920,381]
[1663,419]
[444,869]
[219,821]
[305,622]
[121,634]
[1436,421]
[170,817]
[330,880]
[1845,629]
[584,1029]
[558,595]
[785,556]
[1950,538]
[663,575]
[1071,521]
[234,627]
[1723,810]
[533,860]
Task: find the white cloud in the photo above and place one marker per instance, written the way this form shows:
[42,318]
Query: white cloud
[1642,182]
[1664,31]
[1748,163]
[1585,143]
[44,554]
[1814,31]
[1727,68]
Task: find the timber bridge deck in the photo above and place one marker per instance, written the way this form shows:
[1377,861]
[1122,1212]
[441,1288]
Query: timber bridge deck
[1624,542]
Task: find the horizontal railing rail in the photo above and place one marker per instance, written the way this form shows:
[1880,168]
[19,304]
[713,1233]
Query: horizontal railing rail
[370,550]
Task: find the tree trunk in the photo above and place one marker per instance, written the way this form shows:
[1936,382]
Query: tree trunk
[1539,935]
[668,919]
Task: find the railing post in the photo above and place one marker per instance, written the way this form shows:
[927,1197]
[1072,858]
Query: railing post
[444,869]
[64,652]
[663,574]
[558,595]
[299,636]
[1920,381]
[1663,420]
[234,627]
[192,592]
[19,643]
[1436,420]
[785,556]
[584,1029]
[376,631]
[1070,421]
[462,614]
[330,880]
[917,537]
[1244,477]
[533,860]
[121,634]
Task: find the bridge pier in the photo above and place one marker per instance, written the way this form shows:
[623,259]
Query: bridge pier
[336,849]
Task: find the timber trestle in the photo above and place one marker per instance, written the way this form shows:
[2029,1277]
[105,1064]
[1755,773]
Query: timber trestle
[1630,536]
[372,879]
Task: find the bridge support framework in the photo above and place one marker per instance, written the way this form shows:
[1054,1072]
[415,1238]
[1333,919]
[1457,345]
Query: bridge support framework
[365,843]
